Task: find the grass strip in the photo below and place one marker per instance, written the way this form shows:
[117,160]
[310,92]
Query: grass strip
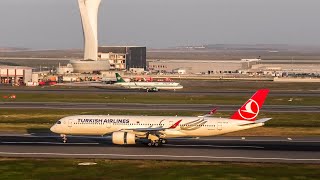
[152,98]
[133,169]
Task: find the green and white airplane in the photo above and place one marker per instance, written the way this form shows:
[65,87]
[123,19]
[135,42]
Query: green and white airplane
[149,86]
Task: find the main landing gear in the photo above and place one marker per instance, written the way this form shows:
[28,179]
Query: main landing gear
[64,138]
[157,143]
[163,141]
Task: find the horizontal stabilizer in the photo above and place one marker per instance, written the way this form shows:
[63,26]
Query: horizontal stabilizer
[262,120]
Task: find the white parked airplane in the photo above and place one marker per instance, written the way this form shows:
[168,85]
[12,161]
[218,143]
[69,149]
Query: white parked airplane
[156,129]
[149,86]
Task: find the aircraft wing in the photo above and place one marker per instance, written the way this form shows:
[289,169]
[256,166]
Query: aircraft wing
[147,87]
[138,87]
[155,129]
[146,129]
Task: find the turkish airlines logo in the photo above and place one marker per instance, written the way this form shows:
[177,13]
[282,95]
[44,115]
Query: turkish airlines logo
[250,110]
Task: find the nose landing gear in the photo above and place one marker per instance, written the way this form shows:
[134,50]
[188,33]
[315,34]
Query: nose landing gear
[64,138]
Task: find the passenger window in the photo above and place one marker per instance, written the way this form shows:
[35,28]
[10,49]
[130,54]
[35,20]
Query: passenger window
[59,122]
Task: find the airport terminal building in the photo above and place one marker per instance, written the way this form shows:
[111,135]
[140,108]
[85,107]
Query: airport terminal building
[200,66]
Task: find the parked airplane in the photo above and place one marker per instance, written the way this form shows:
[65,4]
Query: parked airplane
[149,86]
[154,130]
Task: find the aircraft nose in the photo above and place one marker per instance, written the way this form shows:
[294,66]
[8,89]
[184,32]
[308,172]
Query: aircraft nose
[53,129]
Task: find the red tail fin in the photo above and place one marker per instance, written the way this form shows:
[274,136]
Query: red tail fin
[250,110]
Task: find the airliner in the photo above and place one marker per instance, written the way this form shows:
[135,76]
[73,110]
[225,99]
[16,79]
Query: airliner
[149,86]
[155,130]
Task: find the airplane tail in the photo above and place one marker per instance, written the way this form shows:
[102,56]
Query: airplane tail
[119,78]
[250,110]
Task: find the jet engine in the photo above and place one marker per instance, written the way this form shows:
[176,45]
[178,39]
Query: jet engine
[122,138]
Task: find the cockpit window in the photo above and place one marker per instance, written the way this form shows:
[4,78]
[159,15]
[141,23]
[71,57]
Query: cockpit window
[59,122]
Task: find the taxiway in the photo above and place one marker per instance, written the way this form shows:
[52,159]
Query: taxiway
[236,149]
[151,107]
[109,89]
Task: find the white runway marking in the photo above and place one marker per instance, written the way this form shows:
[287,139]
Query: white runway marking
[214,146]
[163,156]
[262,140]
[46,143]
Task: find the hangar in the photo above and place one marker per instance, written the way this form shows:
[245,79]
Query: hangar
[15,75]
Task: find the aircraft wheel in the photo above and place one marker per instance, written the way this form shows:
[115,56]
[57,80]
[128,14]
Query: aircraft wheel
[149,144]
[164,141]
[156,144]
[64,138]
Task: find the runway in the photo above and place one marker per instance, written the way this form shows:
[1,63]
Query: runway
[153,107]
[235,149]
[107,89]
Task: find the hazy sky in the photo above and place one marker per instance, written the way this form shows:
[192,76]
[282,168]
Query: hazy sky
[55,24]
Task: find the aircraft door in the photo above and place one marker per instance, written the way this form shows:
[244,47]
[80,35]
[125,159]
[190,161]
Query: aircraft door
[219,126]
[108,125]
[70,123]
[211,127]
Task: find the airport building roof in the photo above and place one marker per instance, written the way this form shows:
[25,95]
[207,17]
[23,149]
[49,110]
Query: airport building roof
[14,67]
[193,61]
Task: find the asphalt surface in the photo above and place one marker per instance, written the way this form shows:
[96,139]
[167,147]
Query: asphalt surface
[153,107]
[109,89]
[239,149]
[235,149]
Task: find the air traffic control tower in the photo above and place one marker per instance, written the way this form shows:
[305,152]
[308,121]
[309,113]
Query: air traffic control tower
[89,17]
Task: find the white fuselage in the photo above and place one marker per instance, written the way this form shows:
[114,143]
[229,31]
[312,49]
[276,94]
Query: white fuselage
[188,127]
[144,85]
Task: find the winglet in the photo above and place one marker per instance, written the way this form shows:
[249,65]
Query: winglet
[214,110]
[175,124]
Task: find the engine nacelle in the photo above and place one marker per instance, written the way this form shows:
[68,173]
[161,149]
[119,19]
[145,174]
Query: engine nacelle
[122,138]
